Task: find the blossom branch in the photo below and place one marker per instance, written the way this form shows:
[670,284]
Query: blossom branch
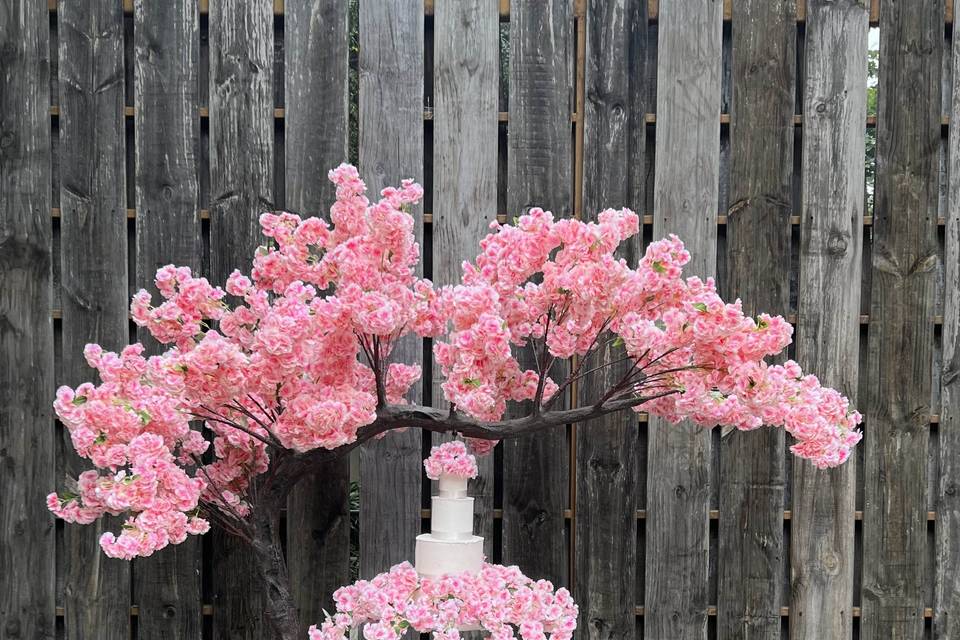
[263,425]
[543,369]
[230,423]
[244,531]
[289,468]
[438,420]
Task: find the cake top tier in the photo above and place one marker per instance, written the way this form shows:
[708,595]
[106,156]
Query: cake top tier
[451,459]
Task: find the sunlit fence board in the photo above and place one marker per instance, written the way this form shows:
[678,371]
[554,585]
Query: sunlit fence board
[685,201]
[828,335]
[391,149]
[316,47]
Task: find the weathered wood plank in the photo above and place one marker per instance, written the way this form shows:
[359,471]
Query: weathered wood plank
[750,569]
[901,329]
[26,330]
[946,609]
[606,456]
[93,243]
[828,335]
[466,80]
[391,149]
[685,202]
[539,159]
[167,132]
[241,188]
[316,47]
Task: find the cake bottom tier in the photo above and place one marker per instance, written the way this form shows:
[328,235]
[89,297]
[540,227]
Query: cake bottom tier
[435,556]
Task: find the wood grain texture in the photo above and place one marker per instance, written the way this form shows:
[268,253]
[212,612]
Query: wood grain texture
[316,58]
[539,159]
[167,132]
[685,202]
[606,473]
[27,572]
[828,332]
[391,149]
[93,259]
[946,609]
[241,188]
[316,55]
[750,570]
[901,321]
[466,68]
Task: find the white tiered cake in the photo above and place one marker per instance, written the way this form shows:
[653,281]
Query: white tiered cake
[450,547]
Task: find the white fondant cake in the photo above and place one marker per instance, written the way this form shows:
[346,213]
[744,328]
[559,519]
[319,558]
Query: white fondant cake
[450,547]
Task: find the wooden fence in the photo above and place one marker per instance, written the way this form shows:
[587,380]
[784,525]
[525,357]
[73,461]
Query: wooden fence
[135,134]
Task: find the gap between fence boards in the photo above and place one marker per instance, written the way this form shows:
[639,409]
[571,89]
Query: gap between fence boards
[279,113]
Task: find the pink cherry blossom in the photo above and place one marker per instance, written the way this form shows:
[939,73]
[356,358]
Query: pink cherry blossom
[450,458]
[299,355]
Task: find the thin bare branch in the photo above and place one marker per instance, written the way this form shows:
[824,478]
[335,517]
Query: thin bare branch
[261,407]
[202,469]
[242,409]
[230,423]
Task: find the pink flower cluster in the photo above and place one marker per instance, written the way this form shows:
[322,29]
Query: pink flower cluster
[694,355]
[450,458]
[711,357]
[500,600]
[278,365]
[297,355]
[132,431]
[499,306]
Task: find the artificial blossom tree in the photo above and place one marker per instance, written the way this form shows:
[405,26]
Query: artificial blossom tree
[291,366]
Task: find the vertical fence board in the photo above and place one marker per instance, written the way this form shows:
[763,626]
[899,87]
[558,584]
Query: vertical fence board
[316,52]
[167,131]
[539,169]
[391,149]
[606,502]
[241,188]
[685,202]
[901,320]
[946,612]
[26,330]
[93,243]
[466,76]
[828,331]
[750,561]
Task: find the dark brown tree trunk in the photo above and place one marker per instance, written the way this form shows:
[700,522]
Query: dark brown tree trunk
[272,570]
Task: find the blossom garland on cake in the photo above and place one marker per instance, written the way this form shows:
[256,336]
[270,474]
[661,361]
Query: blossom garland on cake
[498,599]
[450,458]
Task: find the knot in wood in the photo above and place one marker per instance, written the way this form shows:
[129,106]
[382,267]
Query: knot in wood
[838,242]
[830,562]
[12,628]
